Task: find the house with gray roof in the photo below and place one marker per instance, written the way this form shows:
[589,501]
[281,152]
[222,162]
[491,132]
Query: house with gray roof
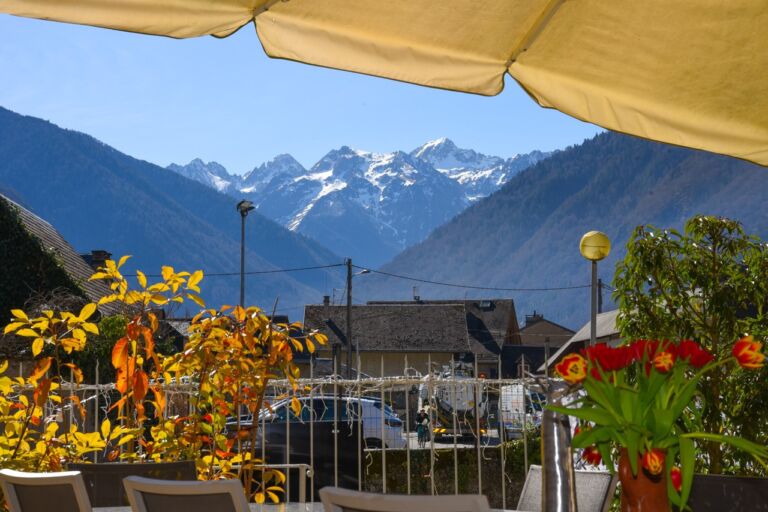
[395,335]
[607,332]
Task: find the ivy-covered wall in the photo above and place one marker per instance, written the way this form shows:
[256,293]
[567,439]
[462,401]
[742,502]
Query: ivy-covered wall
[25,267]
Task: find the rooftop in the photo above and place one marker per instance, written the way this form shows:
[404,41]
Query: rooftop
[478,326]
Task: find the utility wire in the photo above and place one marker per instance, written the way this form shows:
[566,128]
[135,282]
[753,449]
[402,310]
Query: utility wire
[471,287]
[253,272]
[388,274]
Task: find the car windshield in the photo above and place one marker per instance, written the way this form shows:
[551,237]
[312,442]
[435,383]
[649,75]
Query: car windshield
[321,409]
[387,409]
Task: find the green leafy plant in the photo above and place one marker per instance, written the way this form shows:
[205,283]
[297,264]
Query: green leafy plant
[643,397]
[708,283]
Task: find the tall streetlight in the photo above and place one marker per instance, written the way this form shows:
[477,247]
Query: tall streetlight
[243,207]
[594,246]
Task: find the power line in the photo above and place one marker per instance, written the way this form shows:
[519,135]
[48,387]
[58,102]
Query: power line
[472,287]
[253,272]
[388,274]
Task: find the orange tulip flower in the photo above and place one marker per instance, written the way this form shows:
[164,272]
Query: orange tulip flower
[572,368]
[747,353]
[664,361]
[653,461]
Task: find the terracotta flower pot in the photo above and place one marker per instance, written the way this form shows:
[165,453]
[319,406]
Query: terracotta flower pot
[644,492]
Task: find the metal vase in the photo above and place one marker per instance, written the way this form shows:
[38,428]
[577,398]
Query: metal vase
[558,478]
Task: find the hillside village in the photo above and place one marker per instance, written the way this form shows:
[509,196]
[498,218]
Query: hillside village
[557,303]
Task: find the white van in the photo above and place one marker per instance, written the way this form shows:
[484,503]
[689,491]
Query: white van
[321,409]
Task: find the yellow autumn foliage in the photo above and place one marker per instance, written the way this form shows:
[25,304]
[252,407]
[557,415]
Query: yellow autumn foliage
[231,355]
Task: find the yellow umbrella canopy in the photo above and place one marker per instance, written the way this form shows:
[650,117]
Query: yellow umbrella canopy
[688,73]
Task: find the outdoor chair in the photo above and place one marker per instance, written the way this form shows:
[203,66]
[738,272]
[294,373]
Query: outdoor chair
[104,481]
[33,492]
[149,495]
[594,491]
[343,500]
[714,493]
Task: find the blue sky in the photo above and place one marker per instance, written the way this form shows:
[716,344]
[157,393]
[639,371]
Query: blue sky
[166,100]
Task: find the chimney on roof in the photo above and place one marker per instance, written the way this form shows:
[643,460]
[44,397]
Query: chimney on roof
[97,258]
[532,319]
[326,300]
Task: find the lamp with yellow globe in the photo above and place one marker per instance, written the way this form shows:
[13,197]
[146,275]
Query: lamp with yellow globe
[594,246]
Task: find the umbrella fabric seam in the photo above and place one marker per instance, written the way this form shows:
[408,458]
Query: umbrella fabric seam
[529,38]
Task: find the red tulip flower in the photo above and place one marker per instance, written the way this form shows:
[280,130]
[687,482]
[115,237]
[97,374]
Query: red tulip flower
[692,351]
[592,455]
[677,478]
[609,358]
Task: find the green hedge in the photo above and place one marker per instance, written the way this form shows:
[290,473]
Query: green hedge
[27,268]
[490,463]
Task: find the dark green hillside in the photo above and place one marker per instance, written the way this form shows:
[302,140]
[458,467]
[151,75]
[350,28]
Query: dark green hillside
[526,235]
[99,198]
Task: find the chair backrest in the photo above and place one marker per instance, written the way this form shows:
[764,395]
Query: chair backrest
[150,495]
[594,491]
[30,492]
[336,499]
[104,481]
[711,493]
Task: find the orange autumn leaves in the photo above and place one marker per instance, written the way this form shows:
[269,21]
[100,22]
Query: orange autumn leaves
[231,356]
[132,380]
[133,356]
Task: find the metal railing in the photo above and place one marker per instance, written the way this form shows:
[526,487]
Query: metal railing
[361,433]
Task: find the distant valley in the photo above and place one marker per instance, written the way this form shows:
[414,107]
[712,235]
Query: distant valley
[503,225]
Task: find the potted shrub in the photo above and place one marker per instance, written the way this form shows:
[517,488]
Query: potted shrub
[640,411]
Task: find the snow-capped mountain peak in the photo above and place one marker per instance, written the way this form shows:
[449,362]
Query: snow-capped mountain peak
[479,174]
[365,204]
[212,174]
[282,167]
[444,155]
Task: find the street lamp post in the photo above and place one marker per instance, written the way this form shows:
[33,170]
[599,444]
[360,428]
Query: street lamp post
[594,246]
[243,207]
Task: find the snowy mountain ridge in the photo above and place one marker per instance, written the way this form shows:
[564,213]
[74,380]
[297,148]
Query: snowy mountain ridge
[367,205]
